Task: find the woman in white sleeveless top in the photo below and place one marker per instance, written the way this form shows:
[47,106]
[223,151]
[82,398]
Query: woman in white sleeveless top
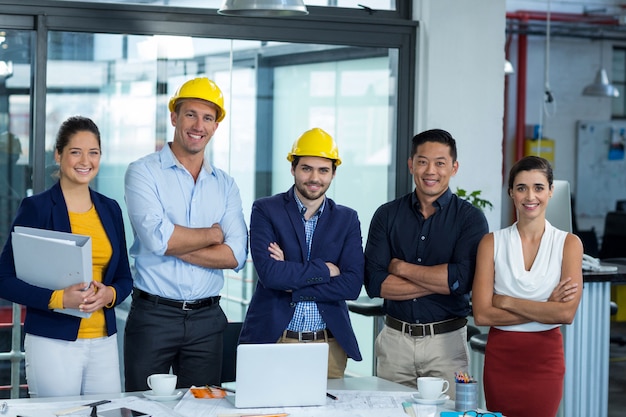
[528,282]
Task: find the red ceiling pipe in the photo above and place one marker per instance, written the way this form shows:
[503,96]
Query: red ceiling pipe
[526,15]
[520,118]
[505,118]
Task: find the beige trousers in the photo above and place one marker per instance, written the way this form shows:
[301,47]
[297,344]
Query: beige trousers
[402,358]
[337,358]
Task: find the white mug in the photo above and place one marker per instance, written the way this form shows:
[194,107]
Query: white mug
[162,384]
[431,388]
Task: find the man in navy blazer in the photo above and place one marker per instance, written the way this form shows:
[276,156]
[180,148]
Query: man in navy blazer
[308,254]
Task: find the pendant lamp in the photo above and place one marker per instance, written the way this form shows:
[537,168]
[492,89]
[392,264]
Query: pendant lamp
[601,86]
[508,67]
[263,8]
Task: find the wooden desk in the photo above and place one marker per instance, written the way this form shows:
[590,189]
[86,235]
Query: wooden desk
[586,345]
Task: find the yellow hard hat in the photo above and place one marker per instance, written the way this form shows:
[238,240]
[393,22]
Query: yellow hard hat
[315,142]
[201,88]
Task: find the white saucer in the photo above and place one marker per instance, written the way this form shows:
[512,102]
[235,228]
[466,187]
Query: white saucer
[151,396]
[437,401]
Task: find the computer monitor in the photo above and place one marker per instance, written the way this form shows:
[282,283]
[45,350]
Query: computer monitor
[559,211]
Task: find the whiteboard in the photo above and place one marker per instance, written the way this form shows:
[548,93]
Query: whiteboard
[600,172]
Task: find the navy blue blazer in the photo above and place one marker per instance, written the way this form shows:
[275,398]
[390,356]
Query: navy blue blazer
[48,210]
[281,285]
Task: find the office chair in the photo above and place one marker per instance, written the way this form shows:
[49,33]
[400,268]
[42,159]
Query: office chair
[614,239]
[587,237]
[616,339]
[229,355]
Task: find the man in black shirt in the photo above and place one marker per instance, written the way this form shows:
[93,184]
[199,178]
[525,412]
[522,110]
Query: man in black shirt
[420,257]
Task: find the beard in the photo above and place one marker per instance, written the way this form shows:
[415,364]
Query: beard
[311,195]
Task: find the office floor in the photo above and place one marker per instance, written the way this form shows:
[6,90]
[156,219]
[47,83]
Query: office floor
[617,371]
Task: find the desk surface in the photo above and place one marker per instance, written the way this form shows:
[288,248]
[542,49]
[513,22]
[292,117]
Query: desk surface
[35,407]
[617,277]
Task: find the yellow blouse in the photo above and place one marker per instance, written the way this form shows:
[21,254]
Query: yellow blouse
[88,223]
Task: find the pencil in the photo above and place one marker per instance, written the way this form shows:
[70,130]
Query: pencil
[331,396]
[222,388]
[408,408]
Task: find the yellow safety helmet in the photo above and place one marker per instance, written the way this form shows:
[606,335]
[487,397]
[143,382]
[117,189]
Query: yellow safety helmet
[201,88]
[315,142]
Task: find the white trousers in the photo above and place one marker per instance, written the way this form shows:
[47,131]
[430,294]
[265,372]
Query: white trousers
[57,368]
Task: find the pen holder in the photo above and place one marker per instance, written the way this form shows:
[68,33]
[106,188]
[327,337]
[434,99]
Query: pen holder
[466,396]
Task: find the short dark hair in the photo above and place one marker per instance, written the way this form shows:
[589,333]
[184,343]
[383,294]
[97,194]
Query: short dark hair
[296,159]
[72,126]
[434,135]
[531,163]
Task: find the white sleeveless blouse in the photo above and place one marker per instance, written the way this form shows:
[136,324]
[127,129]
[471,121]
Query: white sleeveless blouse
[512,278]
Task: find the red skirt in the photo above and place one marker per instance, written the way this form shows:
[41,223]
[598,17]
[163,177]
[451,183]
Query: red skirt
[524,372]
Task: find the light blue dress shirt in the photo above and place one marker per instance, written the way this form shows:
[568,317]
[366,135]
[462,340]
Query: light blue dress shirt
[161,193]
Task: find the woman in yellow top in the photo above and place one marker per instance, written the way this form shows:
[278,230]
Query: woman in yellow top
[65,354]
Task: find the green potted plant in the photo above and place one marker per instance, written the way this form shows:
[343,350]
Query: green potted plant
[474,198]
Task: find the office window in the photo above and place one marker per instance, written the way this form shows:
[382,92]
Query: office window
[216,4]
[15,183]
[273,93]
[120,66]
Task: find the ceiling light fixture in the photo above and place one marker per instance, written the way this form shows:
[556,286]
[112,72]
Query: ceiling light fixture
[508,67]
[263,8]
[601,86]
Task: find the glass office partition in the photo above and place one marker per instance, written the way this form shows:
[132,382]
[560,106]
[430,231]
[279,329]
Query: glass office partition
[216,4]
[339,69]
[273,93]
[15,184]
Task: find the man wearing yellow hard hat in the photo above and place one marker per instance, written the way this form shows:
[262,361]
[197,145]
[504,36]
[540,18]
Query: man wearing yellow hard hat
[308,253]
[188,225]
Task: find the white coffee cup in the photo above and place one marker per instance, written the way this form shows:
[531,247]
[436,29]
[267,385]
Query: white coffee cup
[431,388]
[162,384]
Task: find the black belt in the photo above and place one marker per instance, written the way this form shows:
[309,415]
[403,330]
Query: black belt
[309,336]
[425,329]
[183,305]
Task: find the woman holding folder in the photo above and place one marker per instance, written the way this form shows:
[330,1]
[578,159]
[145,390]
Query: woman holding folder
[66,354]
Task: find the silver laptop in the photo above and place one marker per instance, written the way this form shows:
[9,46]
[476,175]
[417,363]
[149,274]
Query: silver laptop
[281,375]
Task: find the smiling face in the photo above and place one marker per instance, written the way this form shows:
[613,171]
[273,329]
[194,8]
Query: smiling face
[312,177]
[432,167]
[79,160]
[530,193]
[195,123]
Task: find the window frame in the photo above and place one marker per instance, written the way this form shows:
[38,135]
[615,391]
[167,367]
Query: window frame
[328,25]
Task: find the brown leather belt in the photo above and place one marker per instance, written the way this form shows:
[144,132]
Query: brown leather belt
[183,305]
[425,329]
[309,336]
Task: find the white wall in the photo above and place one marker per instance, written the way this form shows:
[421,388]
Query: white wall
[460,87]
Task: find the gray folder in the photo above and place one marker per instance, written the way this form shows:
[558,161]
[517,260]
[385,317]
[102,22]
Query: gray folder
[53,260]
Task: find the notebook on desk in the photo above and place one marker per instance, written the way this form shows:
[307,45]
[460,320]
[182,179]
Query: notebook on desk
[281,375]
